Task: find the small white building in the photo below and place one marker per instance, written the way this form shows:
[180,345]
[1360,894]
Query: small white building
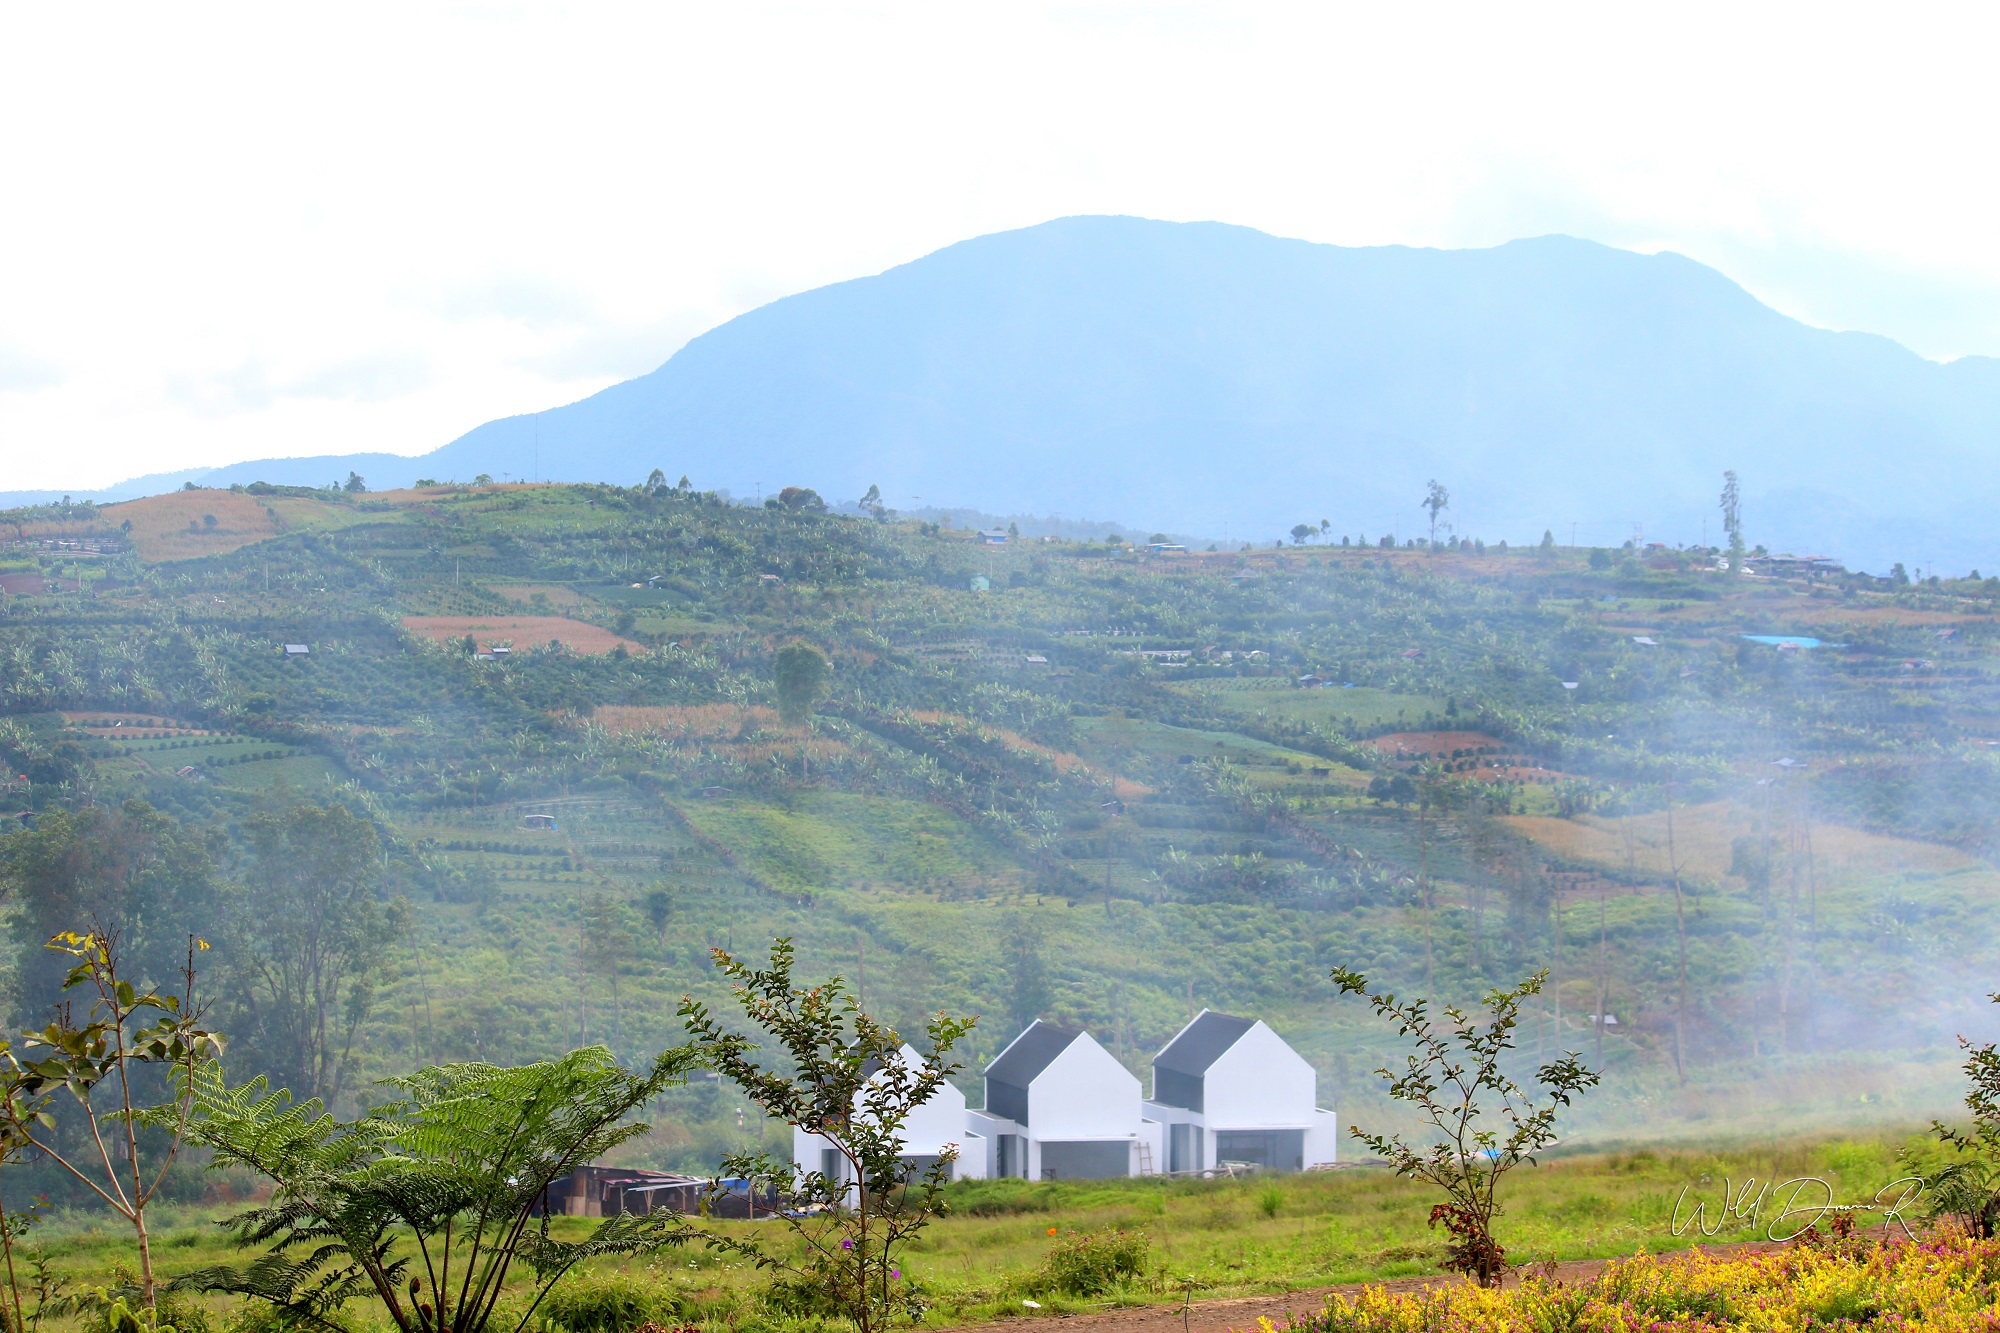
[929,1129]
[1229,1089]
[1059,1107]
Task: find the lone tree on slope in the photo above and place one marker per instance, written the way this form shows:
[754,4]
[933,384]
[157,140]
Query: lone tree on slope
[1732,521]
[1436,499]
[800,675]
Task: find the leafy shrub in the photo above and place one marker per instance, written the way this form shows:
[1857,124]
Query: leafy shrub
[608,1303]
[1091,1263]
[263,1317]
[119,1308]
[1270,1199]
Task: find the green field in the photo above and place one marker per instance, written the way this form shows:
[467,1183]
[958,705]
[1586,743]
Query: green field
[1362,706]
[828,839]
[955,839]
[1210,1239]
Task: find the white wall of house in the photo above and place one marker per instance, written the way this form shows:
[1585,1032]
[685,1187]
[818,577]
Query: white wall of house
[937,1123]
[1260,1082]
[1323,1139]
[927,1131]
[1083,1094]
[1153,1161]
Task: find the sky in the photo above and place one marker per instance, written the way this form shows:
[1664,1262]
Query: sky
[242,231]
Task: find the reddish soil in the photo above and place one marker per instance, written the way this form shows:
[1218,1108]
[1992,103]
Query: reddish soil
[1241,1314]
[160,523]
[1424,744]
[27,585]
[1413,747]
[522,632]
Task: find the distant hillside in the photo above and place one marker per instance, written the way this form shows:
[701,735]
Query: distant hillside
[1209,378]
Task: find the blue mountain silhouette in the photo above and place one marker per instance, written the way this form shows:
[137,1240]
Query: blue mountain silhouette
[1214,379]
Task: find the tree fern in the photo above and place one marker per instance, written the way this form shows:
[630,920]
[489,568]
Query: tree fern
[427,1202]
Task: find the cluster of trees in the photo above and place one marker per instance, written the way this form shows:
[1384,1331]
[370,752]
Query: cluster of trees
[295,911]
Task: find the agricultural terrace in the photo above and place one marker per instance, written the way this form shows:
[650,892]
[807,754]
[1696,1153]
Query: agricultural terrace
[1104,787]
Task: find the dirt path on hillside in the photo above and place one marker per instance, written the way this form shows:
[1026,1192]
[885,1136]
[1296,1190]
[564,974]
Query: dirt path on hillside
[1239,1313]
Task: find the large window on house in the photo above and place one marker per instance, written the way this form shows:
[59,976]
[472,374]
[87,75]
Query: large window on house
[1086,1161]
[1274,1149]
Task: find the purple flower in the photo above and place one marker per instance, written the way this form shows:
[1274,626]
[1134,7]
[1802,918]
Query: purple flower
[847,1245]
[895,1272]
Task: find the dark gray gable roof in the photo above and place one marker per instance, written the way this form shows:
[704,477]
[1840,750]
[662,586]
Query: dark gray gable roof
[1201,1043]
[1031,1053]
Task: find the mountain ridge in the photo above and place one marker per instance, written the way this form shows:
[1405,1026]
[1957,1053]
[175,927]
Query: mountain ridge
[1203,377]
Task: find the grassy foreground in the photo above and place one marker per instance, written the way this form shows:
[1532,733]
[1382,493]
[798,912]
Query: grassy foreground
[1222,1238]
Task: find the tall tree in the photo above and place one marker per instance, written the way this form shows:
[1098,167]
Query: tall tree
[133,865]
[606,944]
[1436,499]
[800,675]
[1732,521]
[1028,992]
[311,935]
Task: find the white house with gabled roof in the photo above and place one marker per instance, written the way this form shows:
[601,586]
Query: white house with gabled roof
[1229,1089]
[927,1131]
[1059,1107]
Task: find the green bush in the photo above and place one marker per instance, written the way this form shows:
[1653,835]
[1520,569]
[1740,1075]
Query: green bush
[263,1317]
[1091,1263]
[607,1303]
[119,1309]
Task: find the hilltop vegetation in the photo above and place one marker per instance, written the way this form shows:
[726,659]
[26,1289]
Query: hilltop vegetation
[1075,780]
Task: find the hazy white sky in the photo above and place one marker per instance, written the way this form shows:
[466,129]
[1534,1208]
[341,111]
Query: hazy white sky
[235,232]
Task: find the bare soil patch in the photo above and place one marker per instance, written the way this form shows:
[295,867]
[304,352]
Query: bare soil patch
[175,526]
[1704,844]
[27,585]
[519,632]
[699,722]
[1428,744]
[1417,747]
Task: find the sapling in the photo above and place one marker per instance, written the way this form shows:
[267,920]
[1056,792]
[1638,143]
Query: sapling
[1966,1187]
[850,1081]
[1454,1079]
[102,1064]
